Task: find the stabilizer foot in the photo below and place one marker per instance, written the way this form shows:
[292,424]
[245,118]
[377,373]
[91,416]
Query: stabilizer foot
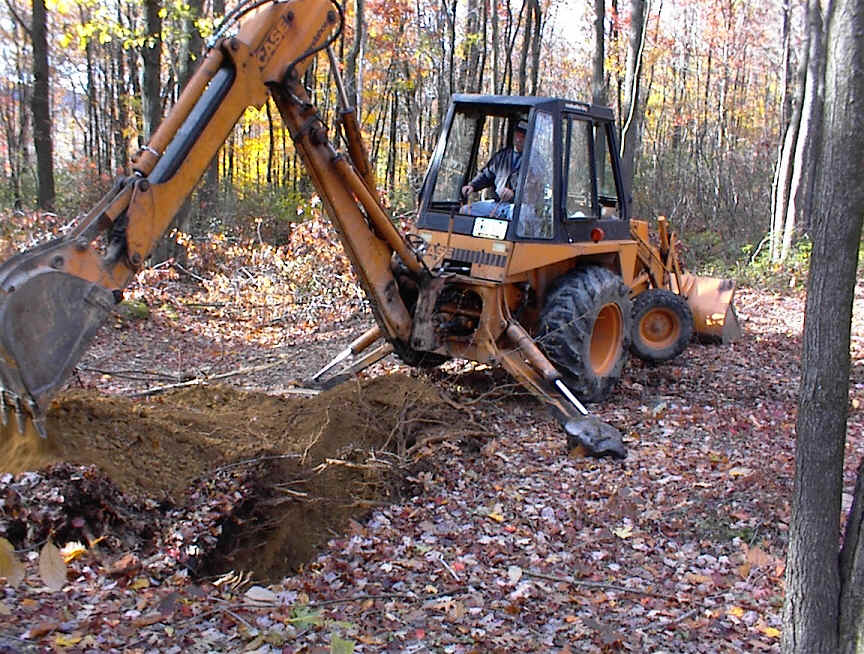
[597,438]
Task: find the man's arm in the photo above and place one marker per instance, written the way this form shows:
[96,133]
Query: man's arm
[486,177]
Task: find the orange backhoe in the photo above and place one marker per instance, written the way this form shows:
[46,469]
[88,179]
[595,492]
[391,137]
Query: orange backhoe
[558,289]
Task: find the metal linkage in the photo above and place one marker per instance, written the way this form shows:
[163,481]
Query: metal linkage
[571,397]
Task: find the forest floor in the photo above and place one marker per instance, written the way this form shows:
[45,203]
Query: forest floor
[403,511]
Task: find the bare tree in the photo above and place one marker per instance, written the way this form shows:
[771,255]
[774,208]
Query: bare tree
[598,81]
[152,56]
[824,606]
[631,112]
[193,44]
[354,55]
[41,106]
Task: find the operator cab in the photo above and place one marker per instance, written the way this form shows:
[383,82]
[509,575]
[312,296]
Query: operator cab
[569,180]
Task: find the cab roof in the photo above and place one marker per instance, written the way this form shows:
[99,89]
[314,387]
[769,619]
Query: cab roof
[505,103]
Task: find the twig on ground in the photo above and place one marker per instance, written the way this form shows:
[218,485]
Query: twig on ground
[136,375]
[257,459]
[210,378]
[599,584]
[684,616]
[374,465]
[437,438]
[3,635]
[190,273]
[239,619]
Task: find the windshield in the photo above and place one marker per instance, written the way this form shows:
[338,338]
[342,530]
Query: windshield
[457,156]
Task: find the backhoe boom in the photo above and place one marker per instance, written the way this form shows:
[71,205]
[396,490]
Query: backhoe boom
[55,297]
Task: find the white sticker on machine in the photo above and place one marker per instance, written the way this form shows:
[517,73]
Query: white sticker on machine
[490,228]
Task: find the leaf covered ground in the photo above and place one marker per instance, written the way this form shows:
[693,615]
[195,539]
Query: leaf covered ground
[466,527]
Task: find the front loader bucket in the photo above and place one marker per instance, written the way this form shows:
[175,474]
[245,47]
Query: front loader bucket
[47,321]
[710,301]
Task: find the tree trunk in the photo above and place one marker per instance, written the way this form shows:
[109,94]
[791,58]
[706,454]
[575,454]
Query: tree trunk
[391,148]
[804,166]
[632,111]
[121,101]
[192,47]
[844,95]
[351,67]
[598,80]
[209,193]
[412,120]
[535,48]
[526,46]
[791,110]
[152,56]
[822,608]
[469,66]
[496,52]
[271,145]
[41,107]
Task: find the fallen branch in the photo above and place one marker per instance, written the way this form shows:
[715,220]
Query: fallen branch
[437,438]
[257,459]
[136,375]
[198,381]
[599,584]
[684,616]
[374,465]
[4,636]
[190,273]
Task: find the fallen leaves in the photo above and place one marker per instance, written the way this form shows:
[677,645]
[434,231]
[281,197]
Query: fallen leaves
[10,566]
[514,547]
[52,567]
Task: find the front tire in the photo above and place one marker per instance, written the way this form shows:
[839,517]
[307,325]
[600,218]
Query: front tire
[584,329]
[662,325]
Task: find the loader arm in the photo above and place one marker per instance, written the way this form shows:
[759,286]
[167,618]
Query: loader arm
[55,297]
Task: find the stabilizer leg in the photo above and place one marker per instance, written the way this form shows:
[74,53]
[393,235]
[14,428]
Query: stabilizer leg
[518,353]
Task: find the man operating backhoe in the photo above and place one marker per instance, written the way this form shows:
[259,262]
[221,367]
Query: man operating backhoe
[501,173]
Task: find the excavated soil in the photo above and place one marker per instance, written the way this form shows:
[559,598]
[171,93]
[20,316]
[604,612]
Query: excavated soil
[311,462]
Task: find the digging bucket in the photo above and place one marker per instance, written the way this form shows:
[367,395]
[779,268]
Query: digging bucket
[47,320]
[710,300]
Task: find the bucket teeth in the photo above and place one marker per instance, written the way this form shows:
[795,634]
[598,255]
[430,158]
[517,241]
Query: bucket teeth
[24,411]
[19,414]
[38,419]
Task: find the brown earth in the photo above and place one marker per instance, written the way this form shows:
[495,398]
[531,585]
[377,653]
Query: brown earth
[318,460]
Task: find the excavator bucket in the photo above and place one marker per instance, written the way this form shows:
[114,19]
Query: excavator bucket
[47,320]
[710,301]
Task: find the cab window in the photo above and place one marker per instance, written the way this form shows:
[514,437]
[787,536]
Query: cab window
[607,190]
[536,208]
[457,155]
[579,190]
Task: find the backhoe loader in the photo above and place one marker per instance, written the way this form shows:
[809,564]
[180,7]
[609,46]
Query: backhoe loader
[558,292]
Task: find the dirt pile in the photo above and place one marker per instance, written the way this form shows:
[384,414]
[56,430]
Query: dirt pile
[278,475]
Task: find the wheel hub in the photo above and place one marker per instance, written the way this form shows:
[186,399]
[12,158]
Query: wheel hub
[606,339]
[659,327]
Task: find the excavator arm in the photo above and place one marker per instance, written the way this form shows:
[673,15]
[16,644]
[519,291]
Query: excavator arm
[54,298]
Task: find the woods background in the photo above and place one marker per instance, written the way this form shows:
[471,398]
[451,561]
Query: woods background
[718,91]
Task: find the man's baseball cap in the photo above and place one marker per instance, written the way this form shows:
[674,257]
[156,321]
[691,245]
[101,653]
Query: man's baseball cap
[522,125]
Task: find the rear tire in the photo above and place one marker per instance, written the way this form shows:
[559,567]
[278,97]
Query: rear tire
[662,325]
[584,329]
